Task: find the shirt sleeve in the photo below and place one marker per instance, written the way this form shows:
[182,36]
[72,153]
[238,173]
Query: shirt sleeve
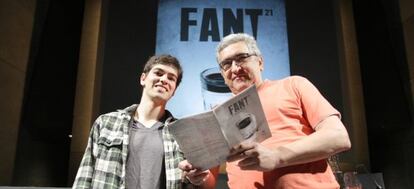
[86,169]
[314,106]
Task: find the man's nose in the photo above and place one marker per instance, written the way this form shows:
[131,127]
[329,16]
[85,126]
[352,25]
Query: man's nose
[235,66]
[164,79]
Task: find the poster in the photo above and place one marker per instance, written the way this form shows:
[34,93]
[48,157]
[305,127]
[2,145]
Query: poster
[191,29]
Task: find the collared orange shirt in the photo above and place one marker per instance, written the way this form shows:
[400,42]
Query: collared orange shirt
[293,107]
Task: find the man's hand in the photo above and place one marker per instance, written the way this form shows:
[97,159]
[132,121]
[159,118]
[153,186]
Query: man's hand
[194,175]
[254,156]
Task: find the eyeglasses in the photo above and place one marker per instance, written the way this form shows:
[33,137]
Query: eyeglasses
[239,59]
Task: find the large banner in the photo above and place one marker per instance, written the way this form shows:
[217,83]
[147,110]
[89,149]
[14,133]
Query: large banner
[191,29]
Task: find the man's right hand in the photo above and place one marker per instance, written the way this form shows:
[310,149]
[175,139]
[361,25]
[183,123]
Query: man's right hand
[253,156]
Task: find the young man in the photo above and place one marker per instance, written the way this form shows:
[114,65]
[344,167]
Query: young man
[305,128]
[132,148]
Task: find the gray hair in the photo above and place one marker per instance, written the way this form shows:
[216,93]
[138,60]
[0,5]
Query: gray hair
[238,37]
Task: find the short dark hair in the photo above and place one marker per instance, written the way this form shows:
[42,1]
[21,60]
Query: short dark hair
[167,60]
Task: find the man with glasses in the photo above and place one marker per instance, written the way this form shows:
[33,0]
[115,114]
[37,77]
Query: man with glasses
[305,128]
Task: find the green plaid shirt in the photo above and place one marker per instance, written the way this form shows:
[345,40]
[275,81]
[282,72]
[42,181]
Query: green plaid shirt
[103,164]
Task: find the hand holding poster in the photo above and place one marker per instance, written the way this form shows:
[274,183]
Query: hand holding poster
[206,138]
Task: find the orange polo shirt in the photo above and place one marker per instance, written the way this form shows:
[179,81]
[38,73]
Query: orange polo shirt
[293,107]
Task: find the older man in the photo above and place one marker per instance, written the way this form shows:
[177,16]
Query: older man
[305,128]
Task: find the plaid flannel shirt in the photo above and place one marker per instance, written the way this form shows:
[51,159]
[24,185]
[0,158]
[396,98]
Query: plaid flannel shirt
[103,164]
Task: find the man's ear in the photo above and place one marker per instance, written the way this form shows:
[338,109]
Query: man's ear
[261,63]
[142,79]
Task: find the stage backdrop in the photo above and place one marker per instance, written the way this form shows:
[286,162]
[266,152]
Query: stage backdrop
[191,29]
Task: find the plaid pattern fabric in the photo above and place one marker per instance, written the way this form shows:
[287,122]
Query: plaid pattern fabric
[103,164]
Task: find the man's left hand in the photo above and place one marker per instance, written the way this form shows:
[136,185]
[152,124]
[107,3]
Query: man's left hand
[195,176]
